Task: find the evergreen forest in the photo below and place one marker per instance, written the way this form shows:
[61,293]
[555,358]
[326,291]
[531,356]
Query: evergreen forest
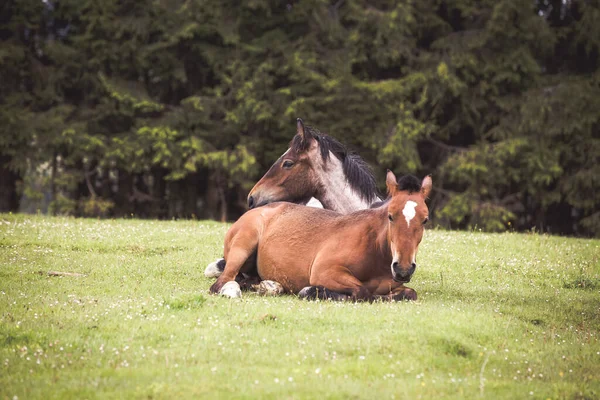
[175,108]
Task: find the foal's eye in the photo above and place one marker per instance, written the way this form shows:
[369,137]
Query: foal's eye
[425,220]
[287,164]
[390,217]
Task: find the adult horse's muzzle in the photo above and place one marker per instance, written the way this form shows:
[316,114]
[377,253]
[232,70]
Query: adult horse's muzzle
[255,202]
[402,275]
[258,198]
[251,202]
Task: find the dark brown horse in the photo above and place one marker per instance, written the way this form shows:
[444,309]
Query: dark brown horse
[314,167]
[317,166]
[320,253]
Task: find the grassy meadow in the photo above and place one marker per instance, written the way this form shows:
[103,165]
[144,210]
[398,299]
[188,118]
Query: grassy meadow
[498,316]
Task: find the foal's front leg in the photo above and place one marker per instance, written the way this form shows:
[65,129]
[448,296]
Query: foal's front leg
[403,293]
[336,279]
[387,289]
[398,294]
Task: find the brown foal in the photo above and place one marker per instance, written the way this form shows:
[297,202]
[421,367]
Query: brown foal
[319,253]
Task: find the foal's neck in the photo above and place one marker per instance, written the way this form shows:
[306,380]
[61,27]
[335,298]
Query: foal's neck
[336,193]
[381,222]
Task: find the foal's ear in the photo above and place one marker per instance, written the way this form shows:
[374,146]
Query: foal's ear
[391,182]
[304,133]
[426,186]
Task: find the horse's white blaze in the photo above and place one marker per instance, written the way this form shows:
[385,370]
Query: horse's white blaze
[394,258]
[409,211]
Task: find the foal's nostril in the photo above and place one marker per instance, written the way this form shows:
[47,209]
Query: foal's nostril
[250,202]
[413,266]
[395,264]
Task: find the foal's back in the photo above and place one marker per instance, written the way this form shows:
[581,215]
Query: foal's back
[298,226]
[292,224]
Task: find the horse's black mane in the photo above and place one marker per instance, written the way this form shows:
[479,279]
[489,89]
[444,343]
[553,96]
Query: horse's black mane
[409,183]
[357,171]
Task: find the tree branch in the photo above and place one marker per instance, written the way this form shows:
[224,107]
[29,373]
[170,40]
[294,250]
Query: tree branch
[446,146]
[88,182]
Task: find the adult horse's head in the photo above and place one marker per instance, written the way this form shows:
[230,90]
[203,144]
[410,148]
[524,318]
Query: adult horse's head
[316,165]
[407,216]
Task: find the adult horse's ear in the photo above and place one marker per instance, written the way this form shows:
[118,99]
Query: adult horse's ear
[302,132]
[391,182]
[426,186]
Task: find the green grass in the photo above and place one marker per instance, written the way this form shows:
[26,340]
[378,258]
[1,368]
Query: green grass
[499,316]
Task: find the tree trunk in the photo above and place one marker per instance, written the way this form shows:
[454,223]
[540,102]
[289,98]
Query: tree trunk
[123,205]
[211,200]
[106,184]
[190,196]
[221,188]
[159,192]
[223,200]
[9,199]
[53,172]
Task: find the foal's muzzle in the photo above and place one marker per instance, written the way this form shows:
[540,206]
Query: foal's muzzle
[401,274]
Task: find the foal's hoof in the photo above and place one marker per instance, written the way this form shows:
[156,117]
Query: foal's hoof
[215,269]
[269,288]
[308,293]
[231,289]
[248,282]
[406,294]
[321,293]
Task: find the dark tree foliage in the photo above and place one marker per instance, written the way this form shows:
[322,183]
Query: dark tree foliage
[174,108]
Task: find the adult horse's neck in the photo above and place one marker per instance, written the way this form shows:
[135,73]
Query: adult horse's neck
[335,191]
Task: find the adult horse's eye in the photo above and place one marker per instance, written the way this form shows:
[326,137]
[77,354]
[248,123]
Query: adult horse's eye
[425,221]
[287,164]
[390,218]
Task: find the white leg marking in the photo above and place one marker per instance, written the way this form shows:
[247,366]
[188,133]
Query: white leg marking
[409,211]
[212,271]
[231,289]
[394,259]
